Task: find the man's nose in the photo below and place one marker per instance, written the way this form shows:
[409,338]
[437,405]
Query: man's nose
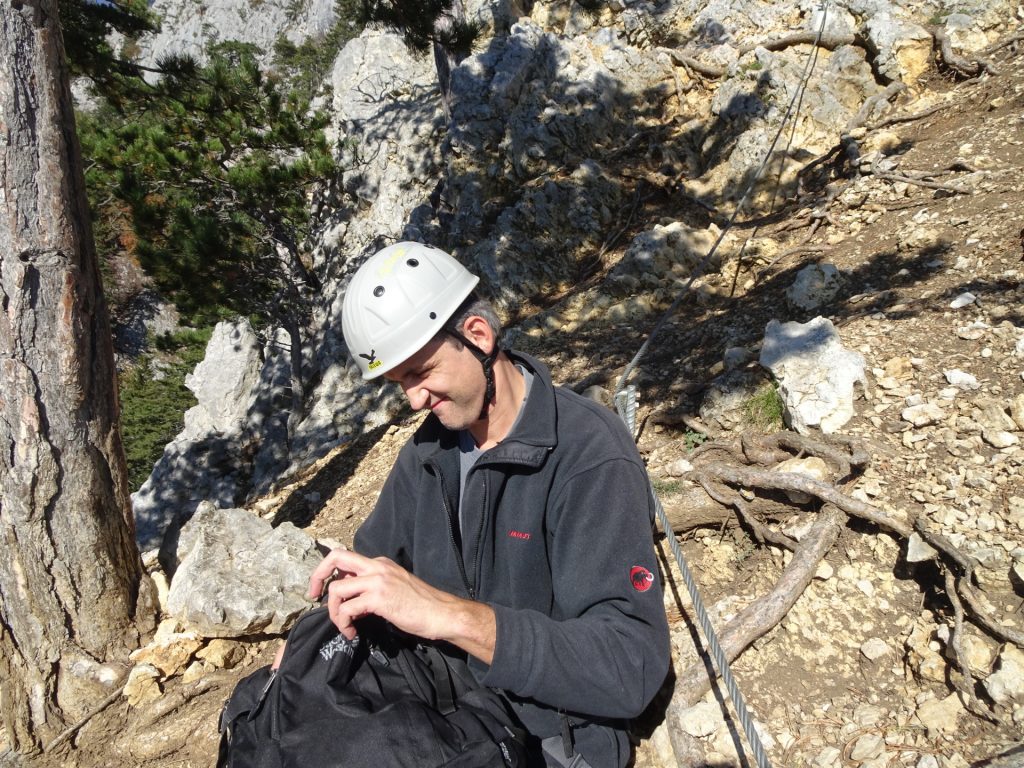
[419,398]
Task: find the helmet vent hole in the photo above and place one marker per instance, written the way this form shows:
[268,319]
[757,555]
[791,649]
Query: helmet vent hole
[413,262]
[433,315]
[378,291]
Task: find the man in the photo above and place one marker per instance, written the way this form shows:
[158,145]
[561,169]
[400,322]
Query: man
[515,524]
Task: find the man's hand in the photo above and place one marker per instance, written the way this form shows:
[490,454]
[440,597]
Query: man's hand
[359,586]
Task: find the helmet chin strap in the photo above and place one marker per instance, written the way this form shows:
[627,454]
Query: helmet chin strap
[486,361]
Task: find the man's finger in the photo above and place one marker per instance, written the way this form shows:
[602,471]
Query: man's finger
[338,563]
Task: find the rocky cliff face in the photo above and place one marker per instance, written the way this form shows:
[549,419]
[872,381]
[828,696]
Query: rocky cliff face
[190,27]
[563,125]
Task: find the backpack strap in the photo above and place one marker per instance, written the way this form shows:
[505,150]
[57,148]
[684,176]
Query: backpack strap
[443,685]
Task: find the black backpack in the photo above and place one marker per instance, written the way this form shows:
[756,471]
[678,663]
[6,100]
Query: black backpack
[381,701]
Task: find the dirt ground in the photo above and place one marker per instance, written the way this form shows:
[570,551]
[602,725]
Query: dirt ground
[906,251]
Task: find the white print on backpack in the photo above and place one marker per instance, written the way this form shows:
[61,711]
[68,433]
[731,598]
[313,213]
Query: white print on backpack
[336,644]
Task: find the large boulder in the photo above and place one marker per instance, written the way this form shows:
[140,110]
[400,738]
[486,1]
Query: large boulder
[235,575]
[816,374]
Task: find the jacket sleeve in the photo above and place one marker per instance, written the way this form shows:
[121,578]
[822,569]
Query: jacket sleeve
[604,652]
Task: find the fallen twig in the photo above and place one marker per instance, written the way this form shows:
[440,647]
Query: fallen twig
[67,733]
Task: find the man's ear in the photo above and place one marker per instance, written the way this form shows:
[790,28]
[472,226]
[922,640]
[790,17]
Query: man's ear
[479,332]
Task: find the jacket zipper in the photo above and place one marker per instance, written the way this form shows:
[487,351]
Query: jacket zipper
[451,533]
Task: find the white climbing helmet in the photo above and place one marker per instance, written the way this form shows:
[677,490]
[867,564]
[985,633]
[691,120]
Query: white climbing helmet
[397,301]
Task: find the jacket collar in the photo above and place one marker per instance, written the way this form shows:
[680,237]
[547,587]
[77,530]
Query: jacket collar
[528,444]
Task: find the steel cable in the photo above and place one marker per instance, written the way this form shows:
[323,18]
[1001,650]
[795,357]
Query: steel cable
[625,404]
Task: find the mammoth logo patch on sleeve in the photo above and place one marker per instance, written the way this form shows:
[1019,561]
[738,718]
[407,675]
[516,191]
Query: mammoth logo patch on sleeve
[640,578]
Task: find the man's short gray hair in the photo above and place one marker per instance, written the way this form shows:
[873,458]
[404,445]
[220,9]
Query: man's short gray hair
[474,305]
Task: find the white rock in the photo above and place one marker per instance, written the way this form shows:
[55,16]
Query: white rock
[811,467]
[868,746]
[866,587]
[815,284]
[874,649]
[918,551]
[999,438]
[923,415]
[1006,684]
[829,757]
[701,719]
[816,374]
[961,379]
[940,716]
[963,300]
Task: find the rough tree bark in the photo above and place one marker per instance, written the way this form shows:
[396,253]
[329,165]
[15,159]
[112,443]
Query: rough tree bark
[70,570]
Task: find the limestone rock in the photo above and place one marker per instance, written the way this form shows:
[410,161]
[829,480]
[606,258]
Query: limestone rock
[1006,684]
[918,550]
[961,379]
[923,415]
[238,576]
[816,374]
[904,48]
[204,461]
[811,466]
[143,685]
[868,746]
[874,649]
[941,716]
[702,719]
[169,653]
[1017,411]
[815,285]
[222,654]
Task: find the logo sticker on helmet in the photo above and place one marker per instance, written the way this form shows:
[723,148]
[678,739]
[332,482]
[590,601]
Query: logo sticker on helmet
[640,578]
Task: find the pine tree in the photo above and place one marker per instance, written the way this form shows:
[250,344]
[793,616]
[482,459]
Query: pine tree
[207,175]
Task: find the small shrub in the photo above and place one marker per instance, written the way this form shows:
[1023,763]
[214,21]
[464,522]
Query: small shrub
[665,487]
[692,439]
[154,399]
[765,409]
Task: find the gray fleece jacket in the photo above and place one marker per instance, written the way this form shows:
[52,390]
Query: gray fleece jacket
[557,539]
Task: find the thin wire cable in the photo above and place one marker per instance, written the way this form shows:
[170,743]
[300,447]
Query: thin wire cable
[626,407]
[625,403]
[732,219]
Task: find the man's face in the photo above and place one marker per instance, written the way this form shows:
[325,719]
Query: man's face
[446,378]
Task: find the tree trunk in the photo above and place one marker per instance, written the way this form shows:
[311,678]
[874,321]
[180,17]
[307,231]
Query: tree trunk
[70,570]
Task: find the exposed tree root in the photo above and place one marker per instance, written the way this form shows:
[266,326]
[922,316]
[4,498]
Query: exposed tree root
[762,615]
[964,66]
[728,474]
[828,42]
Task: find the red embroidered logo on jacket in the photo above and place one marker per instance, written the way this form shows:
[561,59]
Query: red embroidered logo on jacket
[640,578]
[519,535]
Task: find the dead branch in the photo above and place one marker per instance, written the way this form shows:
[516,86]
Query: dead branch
[762,533]
[964,66]
[693,508]
[964,683]
[1011,40]
[871,103]
[828,42]
[67,733]
[765,613]
[175,701]
[907,118]
[681,59]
